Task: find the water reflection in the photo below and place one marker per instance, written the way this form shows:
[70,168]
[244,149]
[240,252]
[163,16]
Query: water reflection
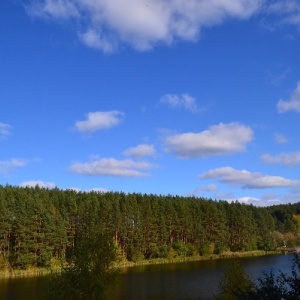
[190,280]
[176,281]
[23,288]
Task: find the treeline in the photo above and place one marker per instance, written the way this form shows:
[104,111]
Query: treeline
[39,226]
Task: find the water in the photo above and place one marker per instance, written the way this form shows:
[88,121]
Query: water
[176,281]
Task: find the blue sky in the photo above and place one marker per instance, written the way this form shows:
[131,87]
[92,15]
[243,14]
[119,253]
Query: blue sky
[159,96]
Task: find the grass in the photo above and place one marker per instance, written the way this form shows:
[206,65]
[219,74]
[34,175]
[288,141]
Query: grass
[32,272]
[224,255]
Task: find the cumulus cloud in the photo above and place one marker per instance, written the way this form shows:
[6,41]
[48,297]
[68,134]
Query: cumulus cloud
[293,104]
[112,167]
[248,180]
[246,200]
[184,101]
[280,138]
[105,24]
[289,159]
[99,120]
[257,201]
[219,139]
[93,39]
[5,130]
[39,183]
[140,151]
[8,166]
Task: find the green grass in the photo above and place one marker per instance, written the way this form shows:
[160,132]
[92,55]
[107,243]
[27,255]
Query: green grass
[124,264]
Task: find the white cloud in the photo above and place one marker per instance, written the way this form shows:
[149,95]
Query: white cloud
[94,39]
[39,183]
[289,159]
[292,104]
[140,151]
[248,180]
[99,120]
[75,189]
[199,191]
[58,9]
[100,190]
[257,202]
[180,101]
[96,190]
[139,23]
[264,200]
[288,10]
[112,167]
[5,130]
[8,166]
[280,138]
[209,188]
[246,200]
[219,139]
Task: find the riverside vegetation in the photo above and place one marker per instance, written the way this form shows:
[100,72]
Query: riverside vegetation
[39,227]
[237,285]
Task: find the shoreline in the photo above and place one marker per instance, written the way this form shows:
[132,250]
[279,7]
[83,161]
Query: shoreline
[225,255]
[7,274]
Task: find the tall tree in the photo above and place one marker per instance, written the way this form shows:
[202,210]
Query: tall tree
[88,273]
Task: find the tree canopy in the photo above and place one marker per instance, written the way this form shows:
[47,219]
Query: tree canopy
[40,226]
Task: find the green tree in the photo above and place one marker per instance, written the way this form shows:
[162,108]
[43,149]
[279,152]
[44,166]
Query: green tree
[283,286]
[88,273]
[236,284]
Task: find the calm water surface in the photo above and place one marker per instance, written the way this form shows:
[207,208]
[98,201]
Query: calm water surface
[188,280]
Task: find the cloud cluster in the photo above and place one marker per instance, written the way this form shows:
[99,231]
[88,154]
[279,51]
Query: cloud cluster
[8,166]
[5,130]
[105,24]
[100,190]
[112,167]
[293,104]
[140,151]
[289,159]
[288,10]
[219,139]
[180,101]
[257,201]
[99,120]
[39,183]
[248,180]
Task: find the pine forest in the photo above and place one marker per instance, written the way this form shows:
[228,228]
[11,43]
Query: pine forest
[39,226]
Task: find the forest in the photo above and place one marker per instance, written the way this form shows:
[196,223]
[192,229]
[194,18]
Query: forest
[39,226]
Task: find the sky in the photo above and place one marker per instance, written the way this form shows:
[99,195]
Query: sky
[168,97]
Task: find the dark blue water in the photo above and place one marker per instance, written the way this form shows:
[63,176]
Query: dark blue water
[176,281]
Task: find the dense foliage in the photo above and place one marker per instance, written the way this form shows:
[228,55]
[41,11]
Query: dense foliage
[39,226]
[87,272]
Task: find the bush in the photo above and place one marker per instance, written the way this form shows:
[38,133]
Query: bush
[236,285]
[206,249]
[134,255]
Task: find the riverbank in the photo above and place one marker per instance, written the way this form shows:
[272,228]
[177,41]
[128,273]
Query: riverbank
[24,273]
[127,264]
[225,255]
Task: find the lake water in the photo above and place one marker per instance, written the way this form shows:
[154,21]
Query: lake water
[176,281]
